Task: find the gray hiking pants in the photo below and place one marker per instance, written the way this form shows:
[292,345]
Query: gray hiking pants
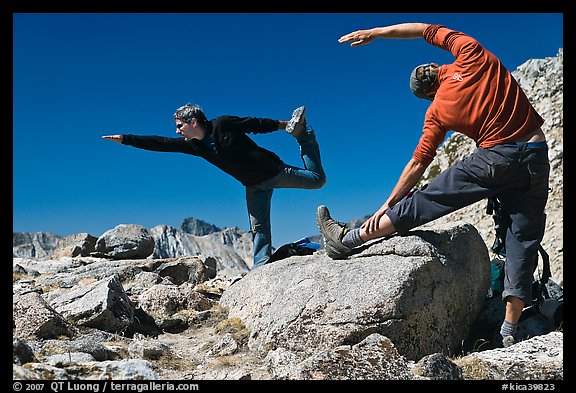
[517,174]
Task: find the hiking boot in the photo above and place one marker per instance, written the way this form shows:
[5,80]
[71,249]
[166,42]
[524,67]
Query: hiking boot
[507,341]
[297,124]
[333,233]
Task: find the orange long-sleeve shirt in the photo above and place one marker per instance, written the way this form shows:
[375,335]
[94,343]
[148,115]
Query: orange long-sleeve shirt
[477,97]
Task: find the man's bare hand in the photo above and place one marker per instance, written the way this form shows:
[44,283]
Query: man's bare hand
[372,225]
[401,30]
[113,138]
[359,37]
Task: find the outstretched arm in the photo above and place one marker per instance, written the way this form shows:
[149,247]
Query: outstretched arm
[408,179]
[154,143]
[402,30]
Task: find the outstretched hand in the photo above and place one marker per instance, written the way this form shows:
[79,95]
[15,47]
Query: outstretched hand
[113,138]
[358,37]
[372,225]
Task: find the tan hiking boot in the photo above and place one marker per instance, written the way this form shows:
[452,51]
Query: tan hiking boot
[333,233]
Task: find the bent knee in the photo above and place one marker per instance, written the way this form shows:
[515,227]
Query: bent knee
[320,182]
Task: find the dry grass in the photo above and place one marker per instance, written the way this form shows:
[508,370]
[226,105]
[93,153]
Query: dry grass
[175,363]
[472,369]
[218,313]
[236,327]
[19,276]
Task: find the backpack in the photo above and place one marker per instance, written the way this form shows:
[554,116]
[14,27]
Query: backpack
[547,296]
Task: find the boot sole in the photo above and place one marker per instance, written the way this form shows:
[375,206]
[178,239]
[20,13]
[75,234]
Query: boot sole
[297,114]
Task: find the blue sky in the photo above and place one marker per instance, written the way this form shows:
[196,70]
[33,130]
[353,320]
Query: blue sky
[78,76]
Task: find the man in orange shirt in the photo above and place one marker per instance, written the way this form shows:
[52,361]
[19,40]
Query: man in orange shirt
[478,97]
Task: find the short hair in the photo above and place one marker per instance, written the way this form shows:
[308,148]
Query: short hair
[190,111]
[423,79]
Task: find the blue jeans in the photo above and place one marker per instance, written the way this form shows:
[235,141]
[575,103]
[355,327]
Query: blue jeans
[259,196]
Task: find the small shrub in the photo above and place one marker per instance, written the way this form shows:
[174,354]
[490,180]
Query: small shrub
[236,327]
[472,369]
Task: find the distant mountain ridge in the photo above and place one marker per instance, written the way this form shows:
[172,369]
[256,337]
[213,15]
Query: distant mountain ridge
[198,227]
[231,247]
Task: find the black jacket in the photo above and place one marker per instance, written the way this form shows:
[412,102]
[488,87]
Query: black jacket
[235,153]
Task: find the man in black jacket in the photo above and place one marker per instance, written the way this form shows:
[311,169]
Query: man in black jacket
[223,141]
